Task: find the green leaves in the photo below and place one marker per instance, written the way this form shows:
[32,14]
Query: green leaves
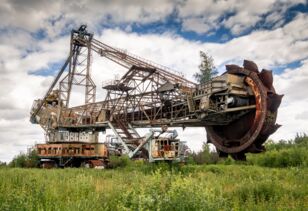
[190,187]
[206,67]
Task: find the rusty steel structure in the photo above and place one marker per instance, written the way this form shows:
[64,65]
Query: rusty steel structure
[238,109]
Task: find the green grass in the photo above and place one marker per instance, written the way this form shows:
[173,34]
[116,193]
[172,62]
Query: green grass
[148,187]
[281,158]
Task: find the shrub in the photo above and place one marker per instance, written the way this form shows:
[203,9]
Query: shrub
[208,187]
[118,161]
[292,157]
[25,160]
[292,153]
[205,156]
[301,140]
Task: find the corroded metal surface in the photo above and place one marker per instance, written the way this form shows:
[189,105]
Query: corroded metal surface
[249,132]
[238,109]
[72,149]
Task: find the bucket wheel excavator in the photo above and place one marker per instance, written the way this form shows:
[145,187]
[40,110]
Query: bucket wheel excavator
[238,109]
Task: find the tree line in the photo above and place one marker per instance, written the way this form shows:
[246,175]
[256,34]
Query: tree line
[285,153]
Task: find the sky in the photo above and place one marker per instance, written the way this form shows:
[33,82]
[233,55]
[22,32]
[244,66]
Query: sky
[35,35]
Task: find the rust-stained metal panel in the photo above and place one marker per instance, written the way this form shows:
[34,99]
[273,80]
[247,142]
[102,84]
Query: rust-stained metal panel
[75,149]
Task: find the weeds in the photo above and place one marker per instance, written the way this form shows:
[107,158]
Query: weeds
[228,185]
[159,187]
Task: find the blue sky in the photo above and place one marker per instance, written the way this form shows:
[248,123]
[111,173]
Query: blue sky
[35,42]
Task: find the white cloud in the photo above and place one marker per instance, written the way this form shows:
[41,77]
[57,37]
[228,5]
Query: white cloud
[198,25]
[269,48]
[196,15]
[292,114]
[203,16]
[56,16]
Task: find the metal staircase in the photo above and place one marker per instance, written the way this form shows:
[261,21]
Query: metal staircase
[129,137]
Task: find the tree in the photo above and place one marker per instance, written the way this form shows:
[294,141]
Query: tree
[207,68]
[25,160]
[205,156]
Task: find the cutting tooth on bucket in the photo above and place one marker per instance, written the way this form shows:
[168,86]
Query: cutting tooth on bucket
[250,65]
[232,67]
[273,128]
[266,77]
[273,101]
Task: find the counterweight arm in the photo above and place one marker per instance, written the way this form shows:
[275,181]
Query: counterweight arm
[56,79]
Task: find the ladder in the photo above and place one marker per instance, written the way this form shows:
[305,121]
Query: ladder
[126,131]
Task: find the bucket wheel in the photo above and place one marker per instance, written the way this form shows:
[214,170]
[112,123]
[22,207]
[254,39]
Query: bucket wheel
[249,132]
